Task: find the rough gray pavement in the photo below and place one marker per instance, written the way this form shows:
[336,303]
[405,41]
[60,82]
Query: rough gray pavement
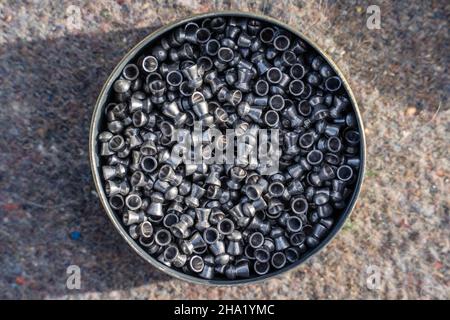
[54,58]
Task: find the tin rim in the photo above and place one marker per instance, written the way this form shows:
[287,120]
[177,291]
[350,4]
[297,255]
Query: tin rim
[94,158]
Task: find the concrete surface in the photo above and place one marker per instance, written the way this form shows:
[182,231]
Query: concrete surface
[54,58]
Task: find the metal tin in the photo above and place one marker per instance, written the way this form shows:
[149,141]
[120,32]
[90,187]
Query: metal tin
[98,117]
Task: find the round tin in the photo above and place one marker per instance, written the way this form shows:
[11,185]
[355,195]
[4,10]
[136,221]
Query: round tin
[98,118]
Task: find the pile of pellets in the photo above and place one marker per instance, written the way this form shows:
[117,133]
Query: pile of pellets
[227,221]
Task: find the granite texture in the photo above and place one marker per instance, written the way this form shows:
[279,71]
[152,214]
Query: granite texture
[52,66]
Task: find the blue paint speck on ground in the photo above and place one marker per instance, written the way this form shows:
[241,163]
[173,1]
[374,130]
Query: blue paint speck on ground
[75,235]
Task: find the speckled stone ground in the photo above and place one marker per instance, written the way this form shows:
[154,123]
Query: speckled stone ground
[54,57]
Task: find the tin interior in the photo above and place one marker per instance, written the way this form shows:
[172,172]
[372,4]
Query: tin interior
[98,119]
